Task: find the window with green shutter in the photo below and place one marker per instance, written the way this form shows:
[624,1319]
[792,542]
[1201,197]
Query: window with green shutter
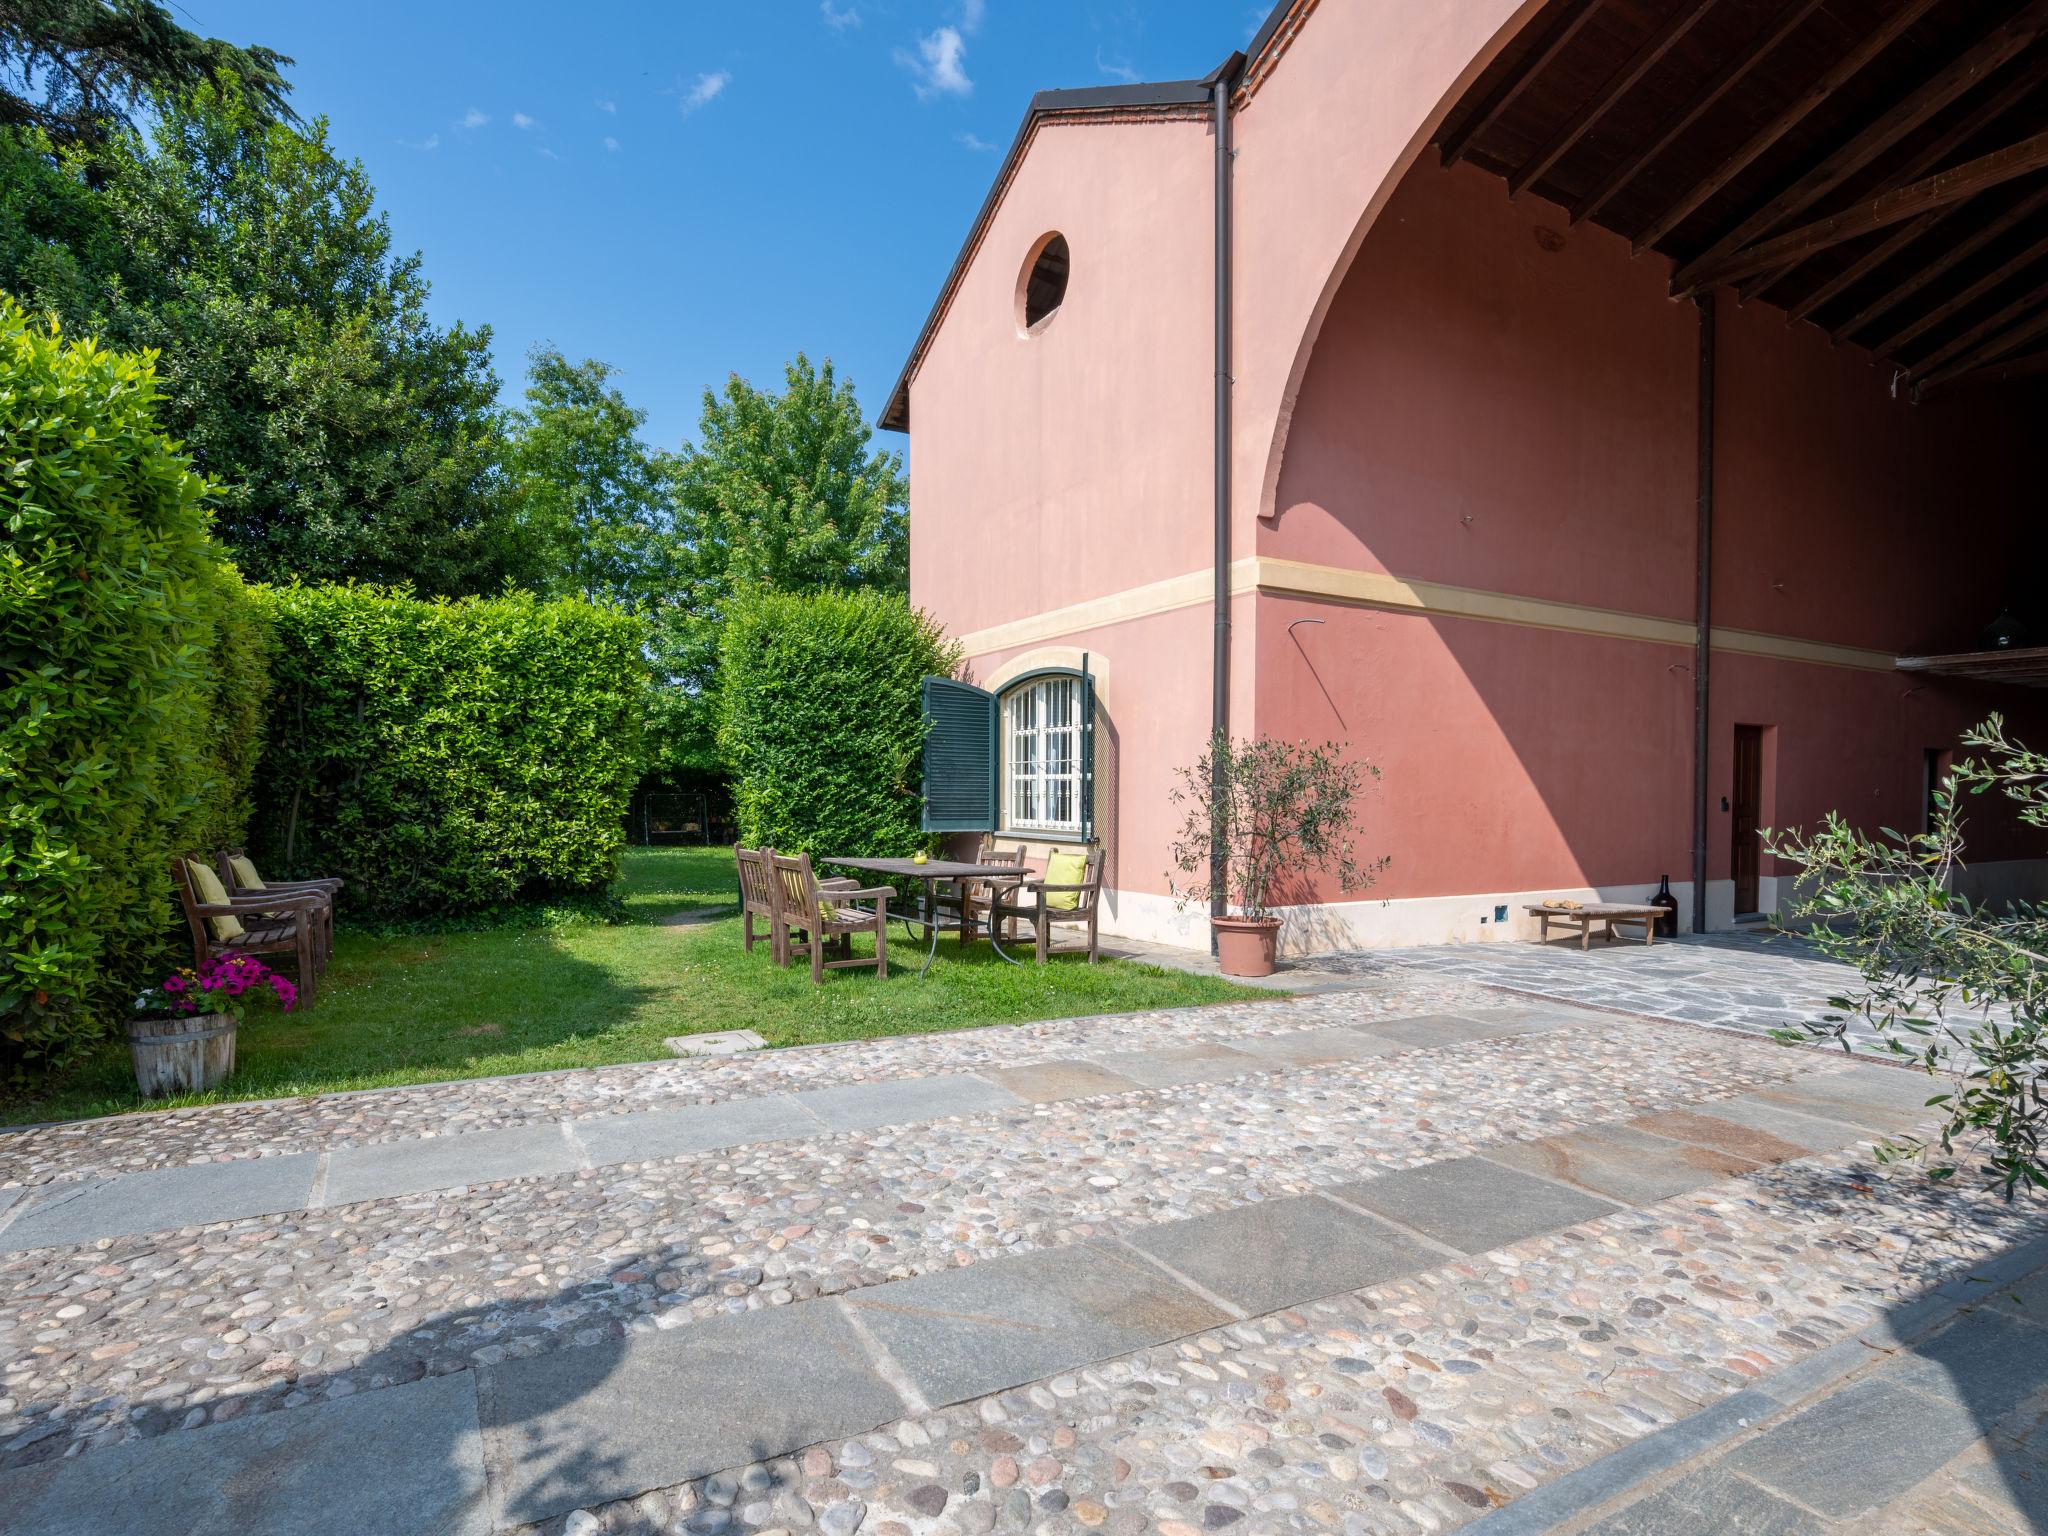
[959,757]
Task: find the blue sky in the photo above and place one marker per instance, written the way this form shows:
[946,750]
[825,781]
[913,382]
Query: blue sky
[688,189]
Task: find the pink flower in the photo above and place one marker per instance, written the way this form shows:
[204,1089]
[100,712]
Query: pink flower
[174,983]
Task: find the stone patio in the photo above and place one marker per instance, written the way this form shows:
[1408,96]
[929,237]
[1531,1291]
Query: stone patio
[1393,1259]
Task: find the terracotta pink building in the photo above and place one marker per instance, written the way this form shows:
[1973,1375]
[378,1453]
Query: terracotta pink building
[1614,395]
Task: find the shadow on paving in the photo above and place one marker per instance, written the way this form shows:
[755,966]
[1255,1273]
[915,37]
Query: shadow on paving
[399,1443]
[1860,1428]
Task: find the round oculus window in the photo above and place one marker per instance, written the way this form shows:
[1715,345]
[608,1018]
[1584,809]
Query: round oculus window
[1044,285]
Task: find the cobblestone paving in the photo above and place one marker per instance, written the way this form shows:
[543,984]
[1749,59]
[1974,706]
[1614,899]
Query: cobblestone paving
[141,1335]
[130,1143]
[1409,1407]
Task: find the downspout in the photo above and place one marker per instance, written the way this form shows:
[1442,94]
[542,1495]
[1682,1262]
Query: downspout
[1703,611]
[1221,84]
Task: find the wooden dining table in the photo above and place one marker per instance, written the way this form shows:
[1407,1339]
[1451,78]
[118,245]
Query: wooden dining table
[930,873]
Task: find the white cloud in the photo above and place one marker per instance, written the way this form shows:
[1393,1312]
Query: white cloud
[611,144]
[976,142]
[938,66]
[473,119]
[431,141]
[521,121]
[706,90]
[972,14]
[548,154]
[1115,70]
[839,17]
[606,104]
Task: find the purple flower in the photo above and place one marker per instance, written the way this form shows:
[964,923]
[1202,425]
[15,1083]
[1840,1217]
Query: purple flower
[174,983]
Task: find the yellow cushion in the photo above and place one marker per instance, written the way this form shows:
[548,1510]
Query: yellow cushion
[245,873]
[211,893]
[1064,869]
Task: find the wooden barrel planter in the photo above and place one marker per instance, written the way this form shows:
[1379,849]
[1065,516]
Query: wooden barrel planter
[185,1053]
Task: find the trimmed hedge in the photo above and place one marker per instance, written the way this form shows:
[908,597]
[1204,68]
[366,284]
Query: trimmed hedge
[444,757]
[133,668]
[822,723]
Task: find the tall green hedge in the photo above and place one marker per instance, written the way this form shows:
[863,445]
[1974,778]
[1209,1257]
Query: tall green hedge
[442,757]
[131,675]
[821,719]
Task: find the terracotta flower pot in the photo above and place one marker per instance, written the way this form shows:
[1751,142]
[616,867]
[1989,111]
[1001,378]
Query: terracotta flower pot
[1245,945]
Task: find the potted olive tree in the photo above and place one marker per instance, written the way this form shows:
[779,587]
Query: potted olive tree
[1263,815]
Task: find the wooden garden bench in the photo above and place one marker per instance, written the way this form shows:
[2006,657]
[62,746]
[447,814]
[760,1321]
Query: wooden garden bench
[1605,916]
[270,924]
[239,874]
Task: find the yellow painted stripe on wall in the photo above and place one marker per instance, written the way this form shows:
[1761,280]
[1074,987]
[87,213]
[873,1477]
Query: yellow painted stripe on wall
[1377,589]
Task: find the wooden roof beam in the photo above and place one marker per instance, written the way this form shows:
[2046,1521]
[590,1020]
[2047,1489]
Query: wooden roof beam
[2032,366]
[1962,250]
[1838,75]
[1995,278]
[1601,102]
[1880,212]
[1995,346]
[1931,157]
[1965,344]
[1990,52]
[1695,107]
[1865,264]
[1505,93]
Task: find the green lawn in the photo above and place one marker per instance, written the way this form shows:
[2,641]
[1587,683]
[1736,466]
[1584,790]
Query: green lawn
[527,999]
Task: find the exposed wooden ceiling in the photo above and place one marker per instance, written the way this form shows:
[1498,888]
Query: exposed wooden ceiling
[1878,168]
[2027,666]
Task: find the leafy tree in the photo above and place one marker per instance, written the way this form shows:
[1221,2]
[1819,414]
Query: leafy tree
[77,69]
[1958,989]
[781,494]
[591,496]
[352,439]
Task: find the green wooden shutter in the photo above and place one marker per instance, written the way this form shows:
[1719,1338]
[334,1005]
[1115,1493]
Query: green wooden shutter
[1087,753]
[959,757]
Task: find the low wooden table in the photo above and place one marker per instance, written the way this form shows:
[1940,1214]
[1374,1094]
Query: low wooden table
[1604,915]
[931,872]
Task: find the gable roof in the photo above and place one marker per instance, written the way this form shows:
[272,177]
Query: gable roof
[1092,103]
[1176,98]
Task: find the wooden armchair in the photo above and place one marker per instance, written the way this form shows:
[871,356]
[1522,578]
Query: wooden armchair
[239,875]
[827,917]
[757,898]
[968,898]
[1046,906]
[271,924]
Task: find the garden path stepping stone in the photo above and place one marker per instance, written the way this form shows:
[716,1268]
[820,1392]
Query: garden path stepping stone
[717,1042]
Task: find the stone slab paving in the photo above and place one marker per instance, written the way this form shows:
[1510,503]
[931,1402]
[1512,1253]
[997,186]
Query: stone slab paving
[1607,1361]
[135,1336]
[126,1143]
[1192,1306]
[1754,982]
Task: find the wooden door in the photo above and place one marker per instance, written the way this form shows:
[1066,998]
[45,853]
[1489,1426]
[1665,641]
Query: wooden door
[1744,850]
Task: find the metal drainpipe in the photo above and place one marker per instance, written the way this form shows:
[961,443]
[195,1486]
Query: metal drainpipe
[1703,609]
[1219,700]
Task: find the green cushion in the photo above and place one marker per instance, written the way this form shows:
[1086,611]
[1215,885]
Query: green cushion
[245,873]
[211,893]
[1063,868]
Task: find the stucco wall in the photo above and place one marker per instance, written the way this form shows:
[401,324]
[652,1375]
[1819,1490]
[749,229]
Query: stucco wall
[1073,462]
[1501,403]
